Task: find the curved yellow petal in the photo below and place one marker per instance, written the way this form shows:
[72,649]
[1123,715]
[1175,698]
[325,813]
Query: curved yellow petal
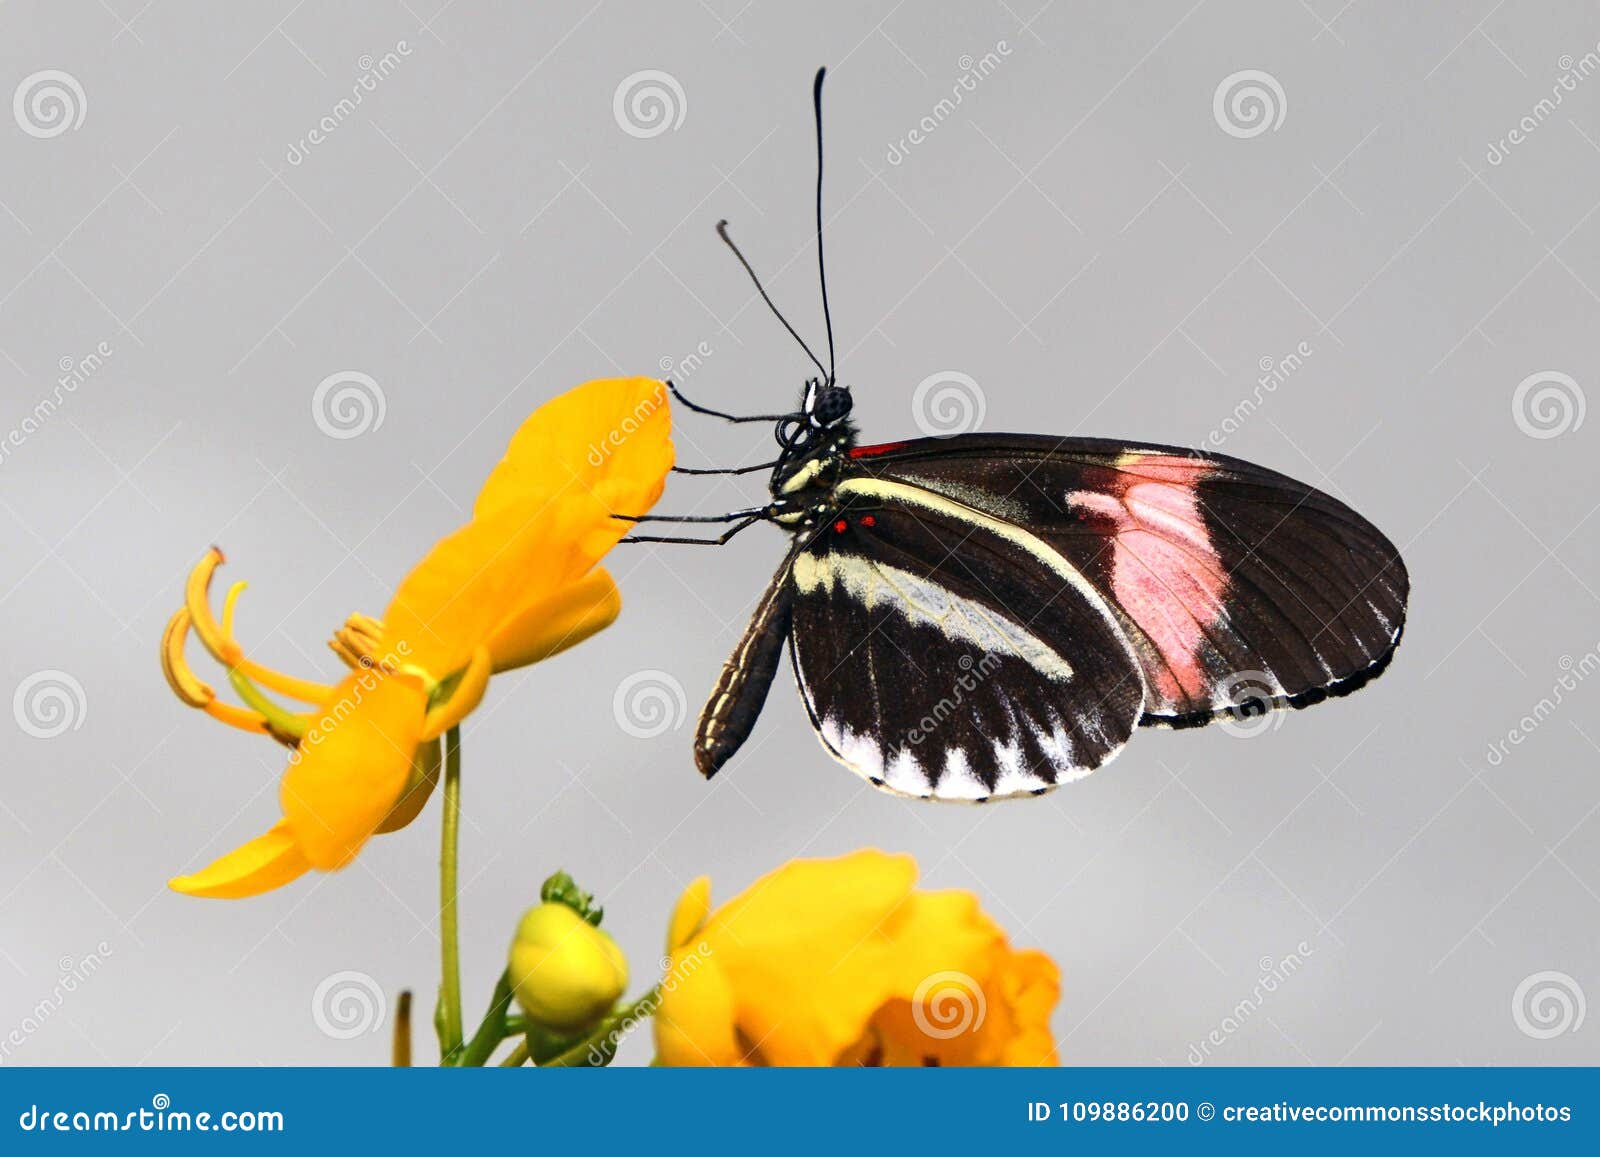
[353,764]
[269,861]
[553,624]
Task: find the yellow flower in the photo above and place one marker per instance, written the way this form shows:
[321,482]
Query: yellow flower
[515,585]
[566,973]
[843,962]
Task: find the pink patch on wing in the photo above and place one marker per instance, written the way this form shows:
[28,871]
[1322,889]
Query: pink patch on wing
[1165,572]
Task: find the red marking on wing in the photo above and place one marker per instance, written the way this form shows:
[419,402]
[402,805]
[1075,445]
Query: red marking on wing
[1165,571]
[874,451]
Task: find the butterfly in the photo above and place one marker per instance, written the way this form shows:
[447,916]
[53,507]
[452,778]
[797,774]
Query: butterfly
[984,616]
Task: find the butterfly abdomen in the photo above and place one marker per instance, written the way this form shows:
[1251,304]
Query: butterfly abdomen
[735,702]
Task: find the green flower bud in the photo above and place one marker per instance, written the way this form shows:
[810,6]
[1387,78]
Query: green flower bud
[566,973]
[563,889]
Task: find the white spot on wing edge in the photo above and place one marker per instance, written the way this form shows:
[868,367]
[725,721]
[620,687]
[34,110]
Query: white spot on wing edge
[1025,783]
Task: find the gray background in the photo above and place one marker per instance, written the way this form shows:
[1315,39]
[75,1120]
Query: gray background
[1081,237]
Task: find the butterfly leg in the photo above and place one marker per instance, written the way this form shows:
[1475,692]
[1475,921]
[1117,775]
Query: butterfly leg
[727,469]
[718,541]
[732,516]
[706,410]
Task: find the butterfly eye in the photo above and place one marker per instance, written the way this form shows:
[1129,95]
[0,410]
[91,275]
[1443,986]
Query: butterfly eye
[832,403]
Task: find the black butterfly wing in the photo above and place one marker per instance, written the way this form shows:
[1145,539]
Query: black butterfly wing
[1238,586]
[943,653]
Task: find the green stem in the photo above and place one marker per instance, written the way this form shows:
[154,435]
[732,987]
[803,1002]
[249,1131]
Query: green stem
[491,1030]
[518,1056]
[449,1018]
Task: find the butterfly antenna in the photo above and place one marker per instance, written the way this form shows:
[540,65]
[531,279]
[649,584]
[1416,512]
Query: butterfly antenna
[822,273]
[722,231]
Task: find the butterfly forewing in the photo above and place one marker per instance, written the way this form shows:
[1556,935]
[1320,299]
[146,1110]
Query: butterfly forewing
[1237,586]
[944,653]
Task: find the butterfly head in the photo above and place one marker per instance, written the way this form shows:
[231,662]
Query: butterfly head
[825,404]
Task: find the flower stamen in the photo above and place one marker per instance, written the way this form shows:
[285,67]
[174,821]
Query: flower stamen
[193,690]
[358,643]
[283,725]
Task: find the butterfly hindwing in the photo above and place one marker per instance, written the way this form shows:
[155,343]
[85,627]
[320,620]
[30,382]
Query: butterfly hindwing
[1236,585]
[950,655]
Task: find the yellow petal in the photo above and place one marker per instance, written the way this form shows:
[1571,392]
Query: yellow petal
[541,523]
[551,625]
[694,1022]
[353,764]
[808,951]
[269,861]
[689,916]
[474,578]
[419,787]
[610,438]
